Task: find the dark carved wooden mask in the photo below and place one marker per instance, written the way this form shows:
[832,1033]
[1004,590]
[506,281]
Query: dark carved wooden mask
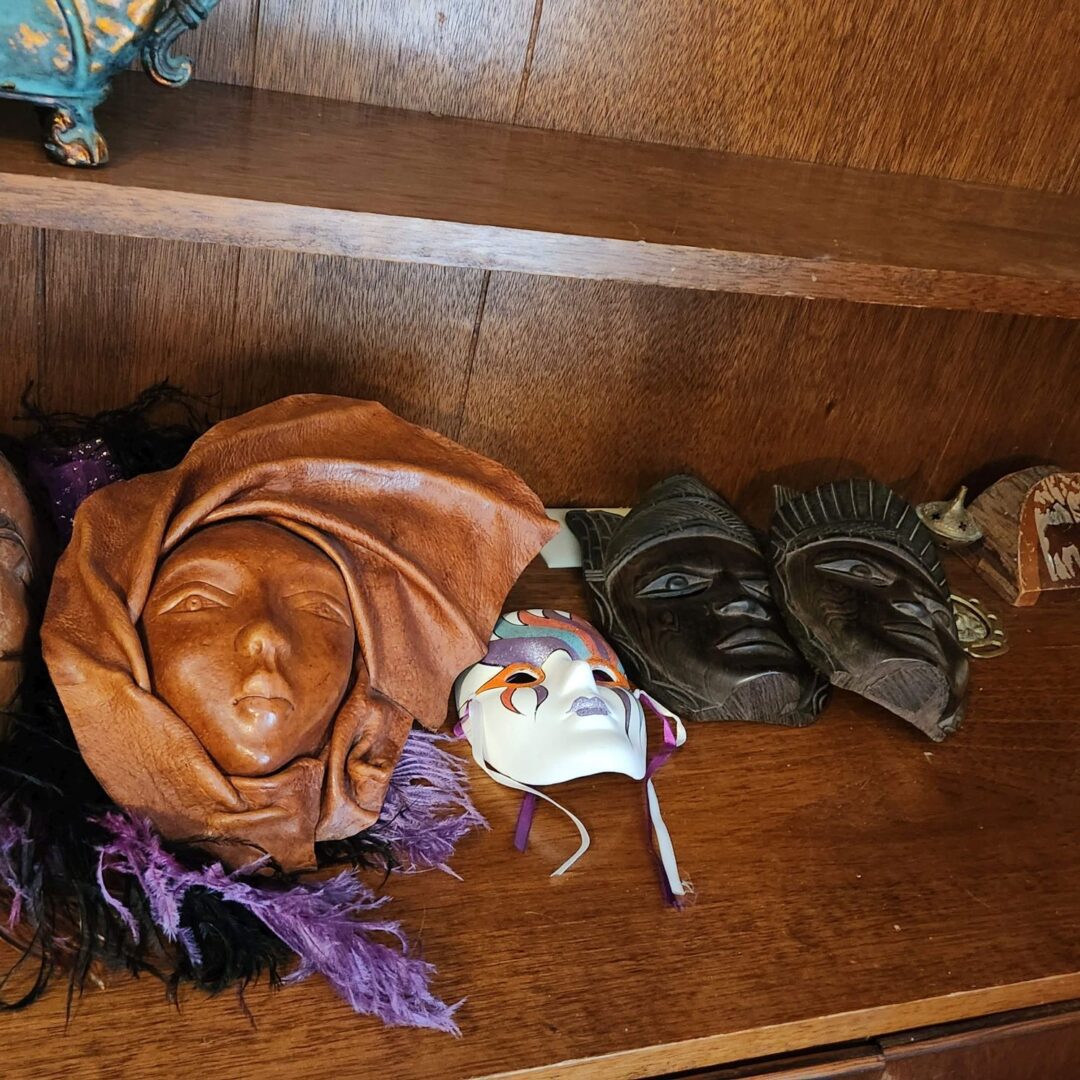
[682,588]
[865,595]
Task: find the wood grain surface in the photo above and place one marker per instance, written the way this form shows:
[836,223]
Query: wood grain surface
[245,327]
[21,314]
[407,186]
[121,314]
[974,91]
[461,57]
[223,48]
[624,385]
[400,334]
[862,1062]
[851,879]
[984,92]
[1037,1048]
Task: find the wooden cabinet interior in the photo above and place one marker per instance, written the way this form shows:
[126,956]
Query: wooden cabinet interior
[593,389]
[851,879]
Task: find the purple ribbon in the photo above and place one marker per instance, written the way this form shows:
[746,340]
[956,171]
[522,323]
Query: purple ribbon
[657,762]
[524,821]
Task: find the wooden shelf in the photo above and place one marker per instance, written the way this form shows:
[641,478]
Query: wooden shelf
[235,166]
[852,879]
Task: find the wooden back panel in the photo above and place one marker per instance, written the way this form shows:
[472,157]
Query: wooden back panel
[591,390]
[983,91]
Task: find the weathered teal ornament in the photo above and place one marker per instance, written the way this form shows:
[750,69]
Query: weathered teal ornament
[61,55]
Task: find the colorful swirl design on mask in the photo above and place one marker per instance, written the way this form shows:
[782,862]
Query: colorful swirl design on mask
[519,650]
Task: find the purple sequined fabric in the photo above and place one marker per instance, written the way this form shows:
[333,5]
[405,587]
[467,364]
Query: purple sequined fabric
[68,474]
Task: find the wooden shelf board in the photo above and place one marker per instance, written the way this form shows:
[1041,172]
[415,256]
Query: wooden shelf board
[231,165]
[852,879]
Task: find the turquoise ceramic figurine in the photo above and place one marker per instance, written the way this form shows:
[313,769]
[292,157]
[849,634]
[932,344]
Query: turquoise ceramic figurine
[61,54]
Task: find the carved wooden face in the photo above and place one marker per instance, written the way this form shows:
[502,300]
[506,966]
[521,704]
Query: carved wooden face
[250,639]
[865,603]
[699,609]
[877,621]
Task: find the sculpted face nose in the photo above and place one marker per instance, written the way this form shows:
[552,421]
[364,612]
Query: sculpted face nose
[261,639]
[744,607]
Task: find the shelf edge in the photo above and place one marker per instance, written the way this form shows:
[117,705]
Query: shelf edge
[58,203]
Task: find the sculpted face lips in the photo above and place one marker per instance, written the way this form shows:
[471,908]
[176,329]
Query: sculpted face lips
[250,639]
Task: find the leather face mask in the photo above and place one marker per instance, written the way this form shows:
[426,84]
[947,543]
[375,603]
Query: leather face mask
[242,643]
[867,598]
[251,641]
[17,540]
[683,589]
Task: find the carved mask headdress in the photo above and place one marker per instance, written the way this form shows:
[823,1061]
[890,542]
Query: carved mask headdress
[867,599]
[682,588]
[243,642]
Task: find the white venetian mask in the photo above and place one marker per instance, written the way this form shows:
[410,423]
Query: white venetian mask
[551,702]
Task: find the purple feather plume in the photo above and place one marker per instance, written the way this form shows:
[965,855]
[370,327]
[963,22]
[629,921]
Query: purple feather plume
[328,923]
[427,809]
[321,922]
[15,849]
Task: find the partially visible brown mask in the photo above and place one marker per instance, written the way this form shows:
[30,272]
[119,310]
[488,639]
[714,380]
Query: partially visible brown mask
[867,599]
[683,589]
[17,545]
[243,642]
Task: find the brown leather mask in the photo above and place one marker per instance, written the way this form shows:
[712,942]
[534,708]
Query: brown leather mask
[243,642]
[17,545]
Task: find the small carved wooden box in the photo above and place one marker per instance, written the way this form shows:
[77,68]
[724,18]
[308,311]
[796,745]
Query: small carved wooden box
[1030,521]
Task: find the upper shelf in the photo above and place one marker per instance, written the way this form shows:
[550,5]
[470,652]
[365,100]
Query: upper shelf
[256,168]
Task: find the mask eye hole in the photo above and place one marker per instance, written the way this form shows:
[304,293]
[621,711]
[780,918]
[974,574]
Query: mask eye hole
[606,675]
[522,678]
[675,583]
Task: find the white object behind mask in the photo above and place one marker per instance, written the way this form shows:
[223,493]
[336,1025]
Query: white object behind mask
[551,702]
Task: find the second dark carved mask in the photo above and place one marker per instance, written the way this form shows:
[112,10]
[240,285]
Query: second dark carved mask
[866,596]
[683,590]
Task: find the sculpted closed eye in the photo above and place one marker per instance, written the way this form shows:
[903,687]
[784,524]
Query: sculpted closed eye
[321,605]
[857,571]
[189,601]
[675,583]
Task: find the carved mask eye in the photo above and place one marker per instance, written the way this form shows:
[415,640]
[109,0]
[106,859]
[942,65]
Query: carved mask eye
[857,572]
[675,583]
